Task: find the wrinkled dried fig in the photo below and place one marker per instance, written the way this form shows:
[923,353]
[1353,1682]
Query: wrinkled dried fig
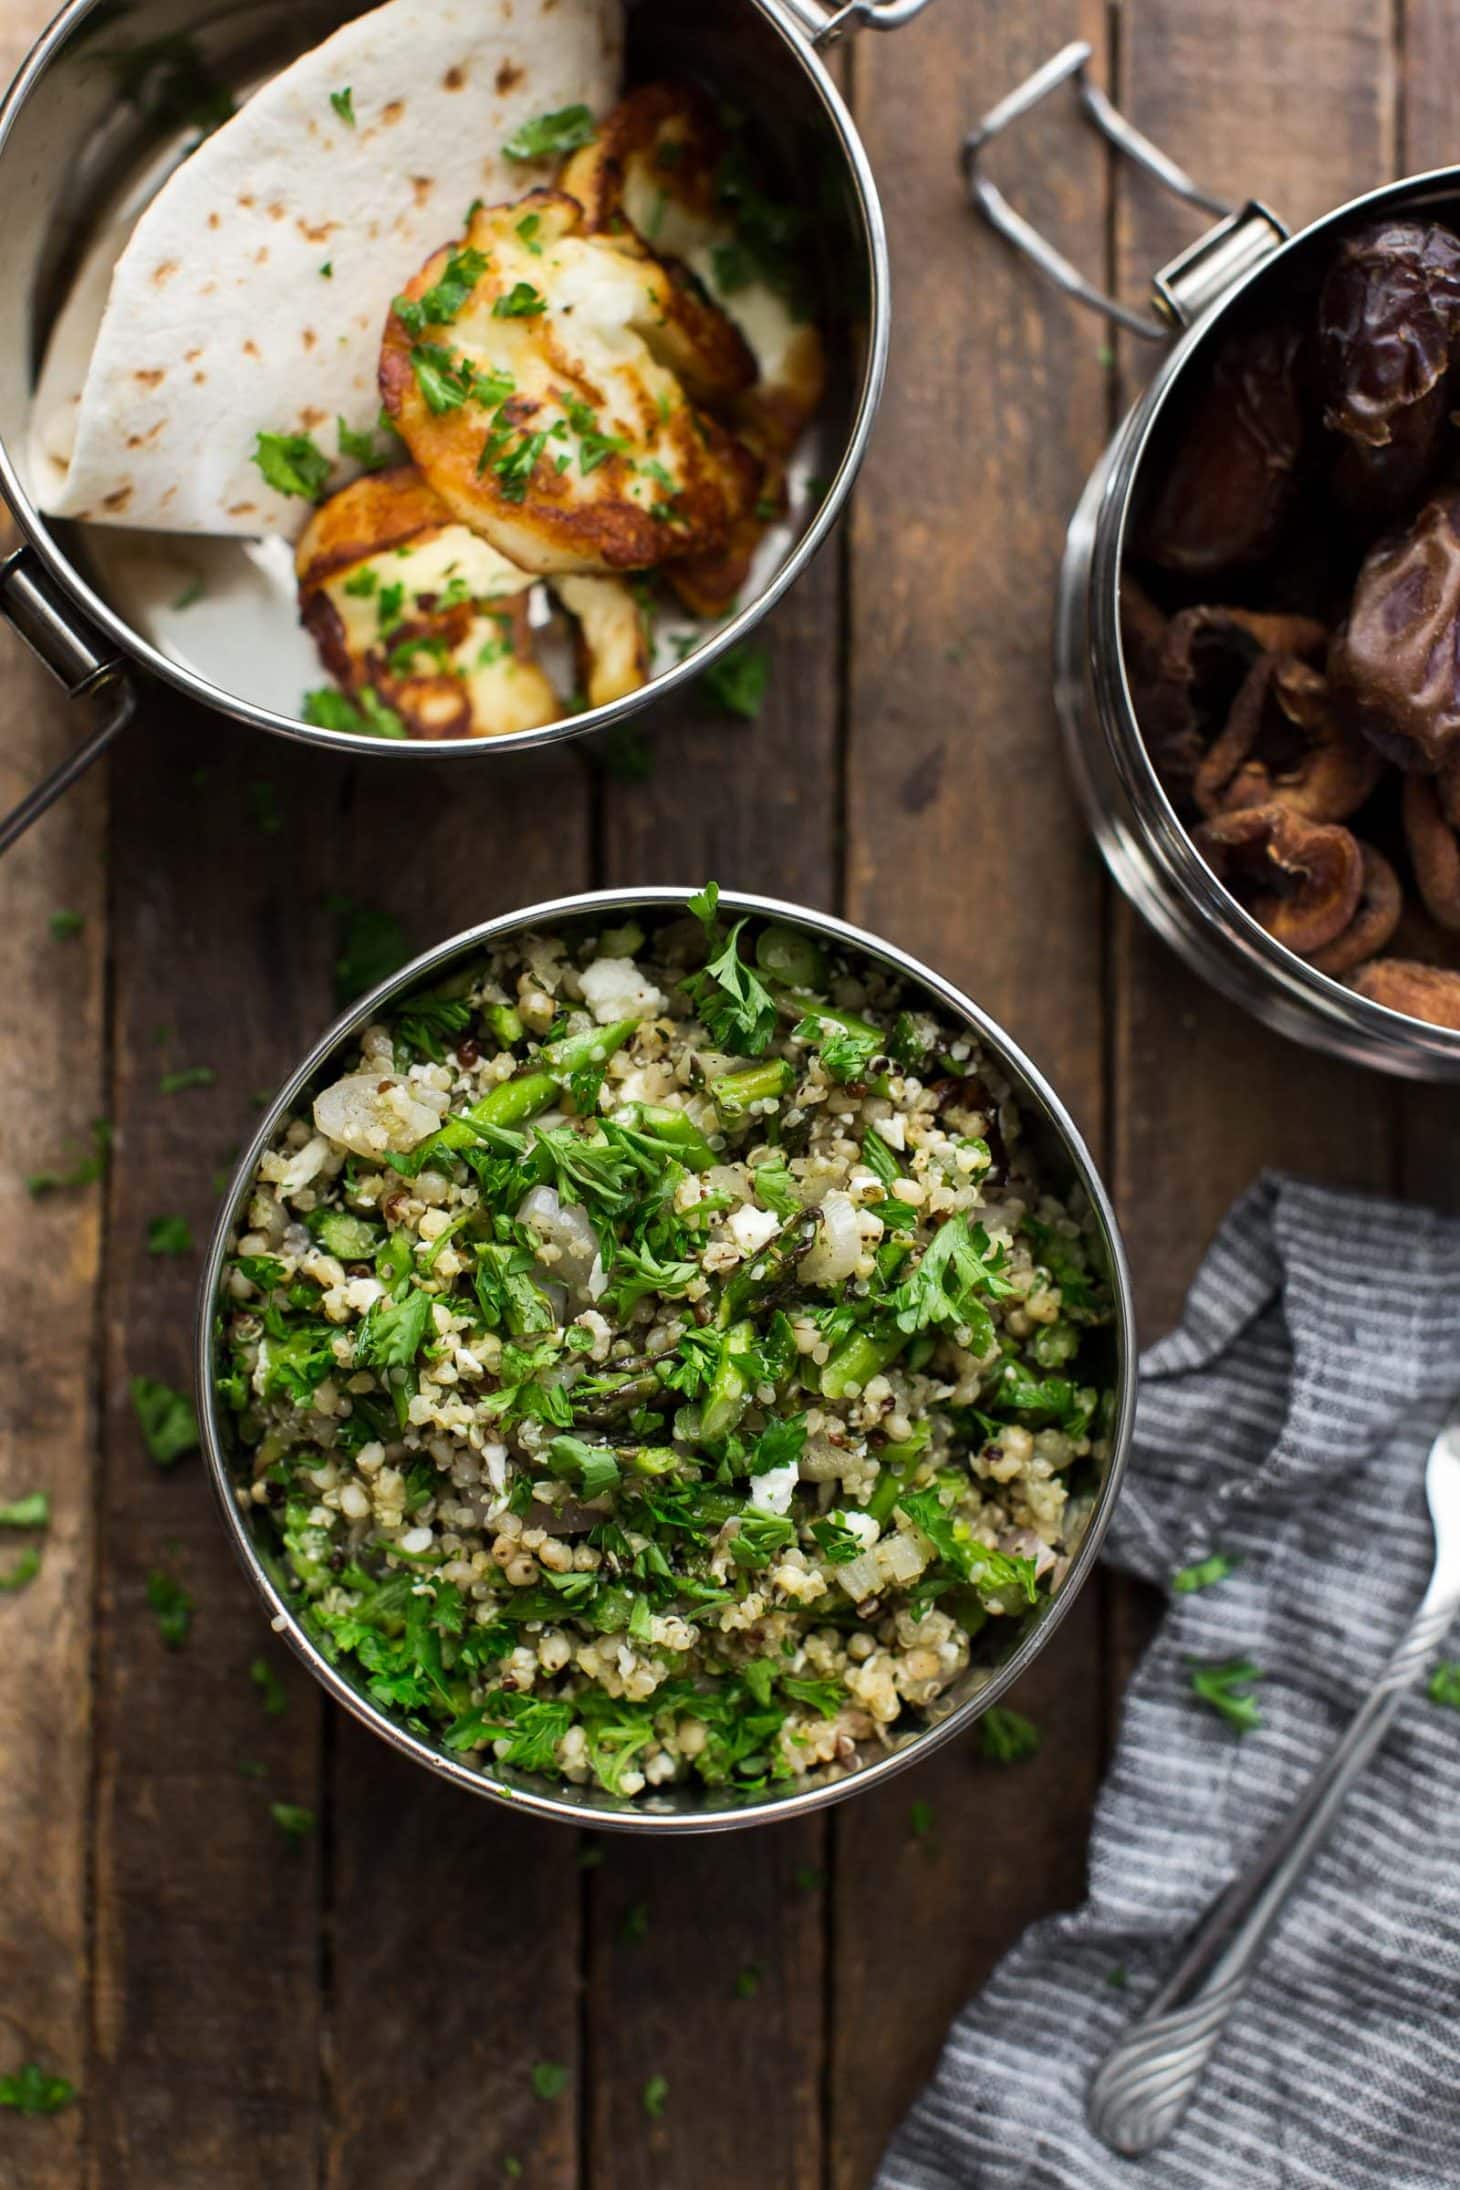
[1191,683]
[1394,664]
[1285,745]
[1299,879]
[1420,992]
[1230,481]
[1434,850]
[1388,318]
[1381,900]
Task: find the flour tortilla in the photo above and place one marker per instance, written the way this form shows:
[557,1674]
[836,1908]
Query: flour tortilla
[218,323]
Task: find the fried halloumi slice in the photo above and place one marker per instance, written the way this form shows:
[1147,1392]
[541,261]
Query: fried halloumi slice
[663,170]
[612,640]
[548,384]
[409,606]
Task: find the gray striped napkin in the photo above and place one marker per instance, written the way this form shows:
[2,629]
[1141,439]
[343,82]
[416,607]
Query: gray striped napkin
[1285,1422]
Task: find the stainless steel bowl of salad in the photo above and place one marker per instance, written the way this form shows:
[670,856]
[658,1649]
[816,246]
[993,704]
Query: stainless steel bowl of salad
[666,1360]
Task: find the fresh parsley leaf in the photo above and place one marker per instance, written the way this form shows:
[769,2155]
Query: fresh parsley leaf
[595,1466]
[25,1570]
[549,2079]
[361,448]
[737,681]
[66,924]
[1444,1684]
[441,304]
[1006,1737]
[955,1544]
[31,2091]
[82,1173]
[189,1076]
[271,1689]
[168,1424]
[169,1236]
[31,1511]
[522,301]
[780,1442]
[955,1268]
[920,1819]
[759,1537]
[427,1020]
[845,1051]
[172,1605]
[292,464]
[1224,1688]
[393,1331]
[327,708]
[656,2094]
[1215,1568]
[732,1000]
[549,136]
[293,1820]
[344,105]
[838,1544]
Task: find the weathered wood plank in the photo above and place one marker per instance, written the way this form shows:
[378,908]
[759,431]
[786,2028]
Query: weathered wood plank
[754,806]
[208,2015]
[52,1088]
[455,1927]
[964,844]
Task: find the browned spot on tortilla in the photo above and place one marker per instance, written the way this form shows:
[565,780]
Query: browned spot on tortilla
[242,509]
[394,111]
[140,440]
[312,417]
[117,499]
[261,255]
[309,338]
[509,75]
[245,198]
[213,221]
[276,211]
[164,272]
[453,79]
[151,376]
[421,187]
[190,357]
[250,347]
[168,496]
[198,379]
[315,232]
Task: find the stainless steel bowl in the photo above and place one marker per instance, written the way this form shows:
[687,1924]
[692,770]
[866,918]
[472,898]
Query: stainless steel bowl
[71,129]
[1067,1164]
[1246,258]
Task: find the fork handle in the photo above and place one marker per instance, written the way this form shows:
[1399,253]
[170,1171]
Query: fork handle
[1146,2082]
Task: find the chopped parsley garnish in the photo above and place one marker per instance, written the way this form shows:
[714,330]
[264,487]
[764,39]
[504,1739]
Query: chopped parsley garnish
[187,1076]
[344,105]
[263,809]
[634,1927]
[522,301]
[168,1424]
[84,1172]
[169,1236]
[1006,1737]
[845,1051]
[1117,1977]
[656,2094]
[1444,1684]
[31,1511]
[625,754]
[729,995]
[271,1689]
[527,232]
[172,1605]
[327,272]
[447,382]
[549,136]
[327,708]
[1206,1571]
[737,681]
[439,305]
[293,1820]
[23,1570]
[958,1270]
[66,924]
[31,2091]
[747,1981]
[362,449]
[1224,1688]
[292,464]
[920,1820]
[549,2079]
[808,1878]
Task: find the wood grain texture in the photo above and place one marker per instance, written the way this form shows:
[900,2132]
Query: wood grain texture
[208,2012]
[454,1927]
[963,844]
[52,1088]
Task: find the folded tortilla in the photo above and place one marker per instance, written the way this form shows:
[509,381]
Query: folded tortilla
[252,293]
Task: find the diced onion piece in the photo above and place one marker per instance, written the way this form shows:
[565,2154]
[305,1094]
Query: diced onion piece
[838,1244]
[368,1113]
[565,1226]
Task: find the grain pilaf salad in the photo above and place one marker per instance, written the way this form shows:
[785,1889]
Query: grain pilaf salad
[655,1357]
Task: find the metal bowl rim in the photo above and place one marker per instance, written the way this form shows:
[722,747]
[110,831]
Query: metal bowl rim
[776,1809]
[1164,834]
[140,652]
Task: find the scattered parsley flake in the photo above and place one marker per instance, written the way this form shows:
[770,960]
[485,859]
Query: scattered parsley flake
[1444,1684]
[178,1083]
[1116,1977]
[295,1822]
[271,1689]
[172,1605]
[64,925]
[31,2091]
[549,2079]
[292,463]
[344,105]
[84,1172]
[634,1929]
[737,681]
[169,1236]
[166,1418]
[920,1820]
[522,301]
[656,2094]
[1222,1688]
[1006,1737]
[31,1511]
[327,708]
[191,593]
[549,136]
[1206,1571]
[808,1878]
[263,809]
[439,305]
[327,272]
[25,1570]
[747,1981]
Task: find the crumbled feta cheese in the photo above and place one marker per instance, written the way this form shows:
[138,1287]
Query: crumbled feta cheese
[772,1492]
[750,1228]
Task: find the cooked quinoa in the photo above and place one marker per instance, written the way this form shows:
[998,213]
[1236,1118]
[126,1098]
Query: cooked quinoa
[654,1357]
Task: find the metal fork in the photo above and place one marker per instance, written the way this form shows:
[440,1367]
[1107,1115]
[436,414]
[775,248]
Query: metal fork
[1146,2083]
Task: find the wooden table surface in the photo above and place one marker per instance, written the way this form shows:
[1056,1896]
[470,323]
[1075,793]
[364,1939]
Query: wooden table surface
[364,2009]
